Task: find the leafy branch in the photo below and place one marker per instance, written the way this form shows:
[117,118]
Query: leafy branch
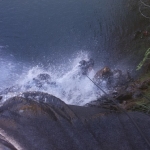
[144,59]
[146,6]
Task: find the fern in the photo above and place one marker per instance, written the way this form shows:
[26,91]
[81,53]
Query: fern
[144,59]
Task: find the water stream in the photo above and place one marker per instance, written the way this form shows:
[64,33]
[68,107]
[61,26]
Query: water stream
[54,35]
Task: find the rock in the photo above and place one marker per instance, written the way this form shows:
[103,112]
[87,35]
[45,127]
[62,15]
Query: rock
[42,79]
[137,94]
[43,76]
[148,82]
[143,86]
[117,73]
[120,79]
[124,96]
[28,122]
[44,98]
[102,102]
[96,103]
[103,77]
[128,105]
[10,89]
[5,145]
[86,66]
[117,78]
[131,88]
[113,79]
[128,76]
[104,73]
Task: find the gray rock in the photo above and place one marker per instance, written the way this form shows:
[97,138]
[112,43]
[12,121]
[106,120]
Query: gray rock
[28,122]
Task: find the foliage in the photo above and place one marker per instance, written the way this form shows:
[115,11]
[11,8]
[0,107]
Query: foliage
[142,105]
[144,59]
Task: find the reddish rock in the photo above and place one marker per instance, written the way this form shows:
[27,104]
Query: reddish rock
[103,73]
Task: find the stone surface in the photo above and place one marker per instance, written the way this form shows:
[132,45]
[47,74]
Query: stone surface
[113,78]
[35,121]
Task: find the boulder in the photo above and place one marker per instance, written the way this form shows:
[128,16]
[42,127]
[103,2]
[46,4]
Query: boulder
[113,78]
[39,82]
[137,94]
[104,73]
[10,89]
[43,76]
[124,96]
[41,79]
[141,85]
[36,120]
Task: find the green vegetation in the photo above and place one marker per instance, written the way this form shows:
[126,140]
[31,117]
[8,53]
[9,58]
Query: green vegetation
[143,104]
[144,59]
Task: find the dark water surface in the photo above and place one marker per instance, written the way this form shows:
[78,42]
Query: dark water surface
[52,31]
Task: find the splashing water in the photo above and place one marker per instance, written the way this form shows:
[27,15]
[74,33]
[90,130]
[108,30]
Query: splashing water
[70,86]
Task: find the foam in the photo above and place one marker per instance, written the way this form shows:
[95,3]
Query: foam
[70,85]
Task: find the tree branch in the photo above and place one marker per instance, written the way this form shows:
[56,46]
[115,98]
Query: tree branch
[143,14]
[144,4]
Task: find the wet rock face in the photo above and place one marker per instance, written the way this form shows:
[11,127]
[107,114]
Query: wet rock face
[29,118]
[28,122]
[4,145]
[43,76]
[129,94]
[36,103]
[39,82]
[86,66]
[1,98]
[10,89]
[103,73]
[42,79]
[113,78]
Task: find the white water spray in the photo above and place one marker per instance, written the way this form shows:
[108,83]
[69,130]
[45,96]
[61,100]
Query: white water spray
[70,86]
